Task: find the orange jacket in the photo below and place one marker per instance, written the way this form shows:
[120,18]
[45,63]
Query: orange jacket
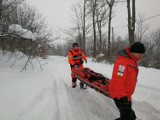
[76,57]
[124,76]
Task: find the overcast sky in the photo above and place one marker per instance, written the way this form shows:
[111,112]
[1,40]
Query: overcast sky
[57,13]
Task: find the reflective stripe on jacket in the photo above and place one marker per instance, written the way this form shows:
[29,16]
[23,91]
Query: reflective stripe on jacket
[124,76]
[76,57]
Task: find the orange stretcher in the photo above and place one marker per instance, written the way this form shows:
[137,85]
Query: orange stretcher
[93,80]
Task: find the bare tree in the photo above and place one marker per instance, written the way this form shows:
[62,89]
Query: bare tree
[80,24]
[110,4]
[101,14]
[6,6]
[31,20]
[141,27]
[84,26]
[93,5]
[77,20]
[152,56]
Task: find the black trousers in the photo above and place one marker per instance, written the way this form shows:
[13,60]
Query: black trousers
[125,108]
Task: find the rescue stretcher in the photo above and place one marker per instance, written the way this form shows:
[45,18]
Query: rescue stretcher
[93,80]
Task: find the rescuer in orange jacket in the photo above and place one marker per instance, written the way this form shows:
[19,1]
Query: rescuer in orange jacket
[75,59]
[124,79]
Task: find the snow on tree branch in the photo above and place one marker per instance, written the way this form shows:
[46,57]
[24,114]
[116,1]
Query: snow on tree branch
[24,33]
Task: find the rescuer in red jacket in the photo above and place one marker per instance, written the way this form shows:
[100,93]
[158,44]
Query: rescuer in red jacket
[124,79]
[75,59]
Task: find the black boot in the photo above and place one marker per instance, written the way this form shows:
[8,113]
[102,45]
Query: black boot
[118,119]
[74,82]
[82,85]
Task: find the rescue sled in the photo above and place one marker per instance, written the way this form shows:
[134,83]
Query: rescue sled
[93,80]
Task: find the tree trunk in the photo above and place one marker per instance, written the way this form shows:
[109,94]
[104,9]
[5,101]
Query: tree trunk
[1,27]
[94,27]
[84,27]
[100,36]
[99,26]
[131,21]
[112,40]
[109,31]
[1,24]
[110,4]
[94,33]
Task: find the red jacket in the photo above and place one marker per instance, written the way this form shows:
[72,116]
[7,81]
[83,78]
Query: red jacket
[76,57]
[124,76]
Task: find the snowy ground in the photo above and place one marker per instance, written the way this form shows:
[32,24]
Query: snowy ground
[47,94]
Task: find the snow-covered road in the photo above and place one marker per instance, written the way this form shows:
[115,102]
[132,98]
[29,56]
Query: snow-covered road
[47,95]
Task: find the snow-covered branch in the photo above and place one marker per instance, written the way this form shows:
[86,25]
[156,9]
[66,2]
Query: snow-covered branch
[24,33]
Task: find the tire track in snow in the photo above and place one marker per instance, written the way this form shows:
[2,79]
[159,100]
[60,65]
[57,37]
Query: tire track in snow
[102,107]
[73,107]
[145,111]
[66,108]
[146,104]
[42,107]
[82,104]
[90,105]
[61,102]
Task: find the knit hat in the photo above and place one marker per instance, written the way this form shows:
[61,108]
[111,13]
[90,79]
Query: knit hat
[137,47]
[75,44]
